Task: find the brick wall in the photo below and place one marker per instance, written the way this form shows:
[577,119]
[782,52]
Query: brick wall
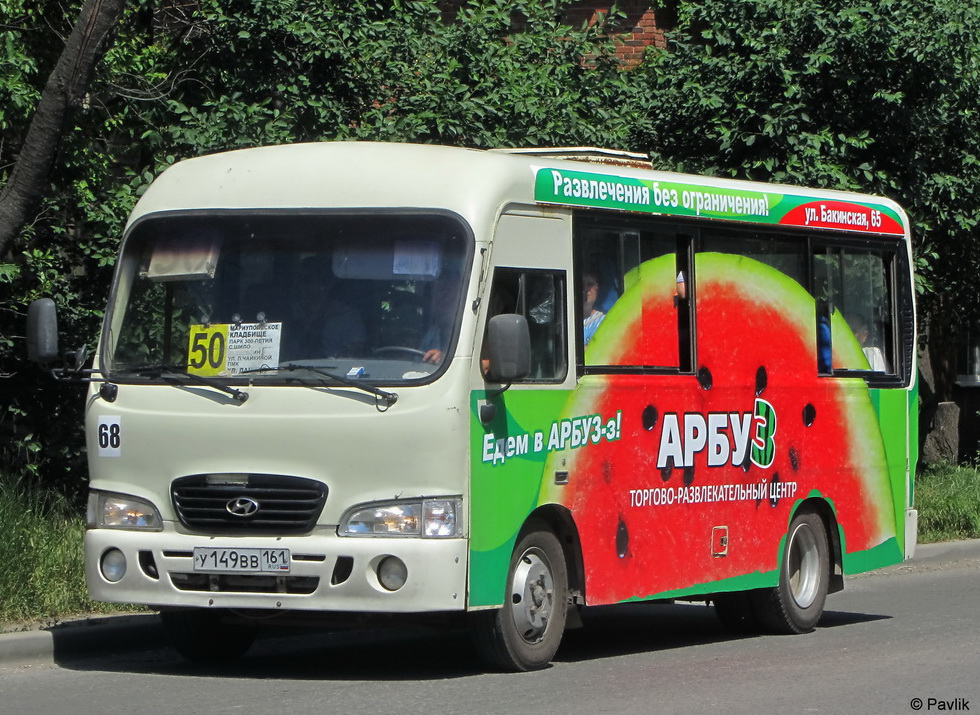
[643,26]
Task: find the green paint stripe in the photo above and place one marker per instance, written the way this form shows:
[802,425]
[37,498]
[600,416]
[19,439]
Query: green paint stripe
[885,554]
[769,206]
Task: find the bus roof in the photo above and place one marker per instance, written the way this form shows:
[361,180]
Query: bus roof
[476,184]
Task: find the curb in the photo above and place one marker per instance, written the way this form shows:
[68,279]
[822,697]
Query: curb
[106,635]
[947,552]
[85,638]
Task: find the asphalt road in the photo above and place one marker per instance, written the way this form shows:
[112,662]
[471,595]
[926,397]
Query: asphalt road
[890,638]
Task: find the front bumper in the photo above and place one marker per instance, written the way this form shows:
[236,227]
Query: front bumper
[327,573]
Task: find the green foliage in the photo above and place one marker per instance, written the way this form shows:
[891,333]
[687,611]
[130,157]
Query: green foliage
[872,96]
[233,75]
[878,96]
[948,500]
[19,60]
[497,73]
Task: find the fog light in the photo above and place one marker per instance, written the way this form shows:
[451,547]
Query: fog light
[392,573]
[113,565]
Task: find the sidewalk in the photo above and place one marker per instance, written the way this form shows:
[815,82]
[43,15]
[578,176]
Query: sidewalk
[93,637]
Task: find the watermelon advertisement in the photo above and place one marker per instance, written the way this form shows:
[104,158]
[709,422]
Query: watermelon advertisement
[684,484]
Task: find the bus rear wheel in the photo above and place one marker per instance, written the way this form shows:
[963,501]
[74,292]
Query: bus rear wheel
[525,633]
[796,604]
[202,635]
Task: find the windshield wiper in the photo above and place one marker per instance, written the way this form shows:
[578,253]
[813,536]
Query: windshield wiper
[173,372]
[385,398]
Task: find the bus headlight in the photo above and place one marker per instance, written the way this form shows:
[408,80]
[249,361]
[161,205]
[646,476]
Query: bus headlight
[426,518]
[121,511]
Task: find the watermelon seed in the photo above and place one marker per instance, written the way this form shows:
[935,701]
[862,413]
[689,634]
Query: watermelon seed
[607,471]
[704,378]
[688,476]
[622,539]
[761,380]
[666,470]
[809,414]
[794,459]
[649,417]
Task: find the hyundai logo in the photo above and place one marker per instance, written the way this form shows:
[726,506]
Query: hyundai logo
[242,506]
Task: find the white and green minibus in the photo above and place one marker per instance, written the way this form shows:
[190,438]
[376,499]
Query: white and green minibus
[491,388]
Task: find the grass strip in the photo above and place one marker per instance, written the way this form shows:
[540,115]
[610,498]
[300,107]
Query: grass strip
[42,574]
[948,500]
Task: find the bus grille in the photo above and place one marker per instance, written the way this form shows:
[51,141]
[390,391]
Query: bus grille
[248,503]
[235,583]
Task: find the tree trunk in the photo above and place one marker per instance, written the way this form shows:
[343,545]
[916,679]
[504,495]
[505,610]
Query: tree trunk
[91,37]
[942,443]
[939,416]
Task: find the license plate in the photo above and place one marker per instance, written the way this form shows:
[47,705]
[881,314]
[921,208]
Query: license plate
[241,560]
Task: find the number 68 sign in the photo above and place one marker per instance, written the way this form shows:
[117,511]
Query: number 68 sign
[109,435]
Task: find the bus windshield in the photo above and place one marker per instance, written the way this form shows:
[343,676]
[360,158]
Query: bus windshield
[372,297]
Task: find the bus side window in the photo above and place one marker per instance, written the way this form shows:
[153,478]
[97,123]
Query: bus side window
[783,258]
[538,295]
[855,287]
[631,295]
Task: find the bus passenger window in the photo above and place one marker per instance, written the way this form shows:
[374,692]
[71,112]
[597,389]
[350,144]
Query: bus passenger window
[632,284]
[777,260]
[856,287]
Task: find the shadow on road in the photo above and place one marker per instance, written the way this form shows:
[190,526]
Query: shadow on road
[612,631]
[401,654]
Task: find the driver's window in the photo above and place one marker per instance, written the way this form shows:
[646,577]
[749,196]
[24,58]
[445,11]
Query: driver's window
[538,295]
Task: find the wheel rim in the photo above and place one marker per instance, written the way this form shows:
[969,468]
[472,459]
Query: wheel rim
[803,566]
[532,595]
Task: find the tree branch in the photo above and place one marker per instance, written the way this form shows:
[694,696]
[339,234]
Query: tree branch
[90,38]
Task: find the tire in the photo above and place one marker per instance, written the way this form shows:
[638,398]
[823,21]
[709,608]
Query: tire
[525,633]
[736,612]
[796,604]
[202,636]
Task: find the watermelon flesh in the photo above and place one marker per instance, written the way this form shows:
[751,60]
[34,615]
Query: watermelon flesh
[730,450]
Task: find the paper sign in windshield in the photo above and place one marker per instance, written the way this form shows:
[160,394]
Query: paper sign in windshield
[229,349]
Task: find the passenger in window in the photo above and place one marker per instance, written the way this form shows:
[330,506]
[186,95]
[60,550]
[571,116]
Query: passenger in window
[876,358]
[680,289]
[825,352]
[592,316]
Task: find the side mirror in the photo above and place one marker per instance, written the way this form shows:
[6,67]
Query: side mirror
[42,331]
[508,347]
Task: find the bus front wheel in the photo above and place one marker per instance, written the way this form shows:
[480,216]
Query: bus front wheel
[796,604]
[525,632]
